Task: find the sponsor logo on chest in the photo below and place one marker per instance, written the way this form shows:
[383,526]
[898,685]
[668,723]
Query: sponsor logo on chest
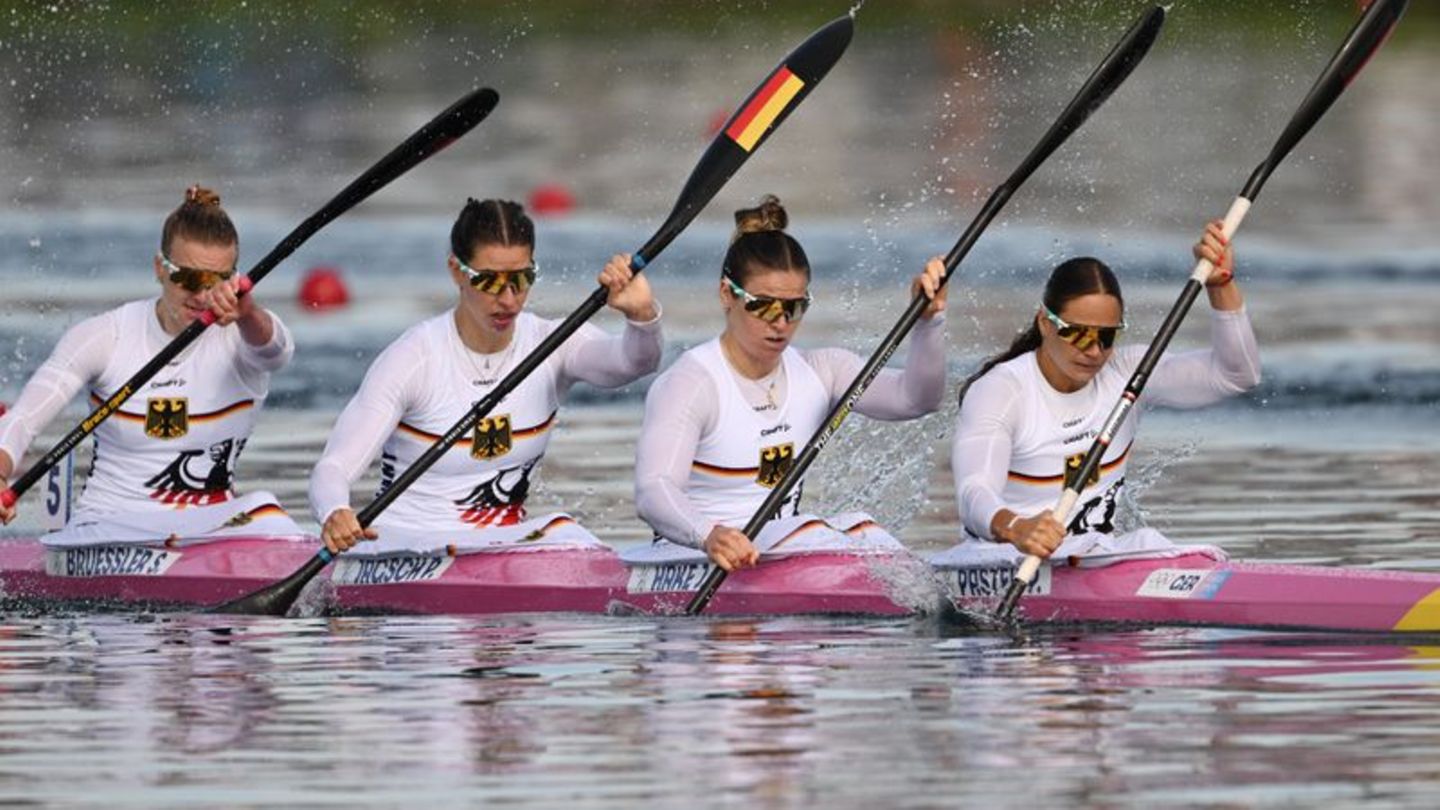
[167,417]
[492,437]
[774,463]
[109,561]
[1072,467]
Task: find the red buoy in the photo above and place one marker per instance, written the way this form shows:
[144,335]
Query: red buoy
[551,199]
[717,120]
[323,288]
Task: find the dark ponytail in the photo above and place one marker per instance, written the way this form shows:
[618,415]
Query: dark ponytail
[490,222]
[199,219]
[760,242]
[1070,280]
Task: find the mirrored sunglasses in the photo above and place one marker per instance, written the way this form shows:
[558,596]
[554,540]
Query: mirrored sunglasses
[770,309]
[1082,336]
[193,279]
[495,282]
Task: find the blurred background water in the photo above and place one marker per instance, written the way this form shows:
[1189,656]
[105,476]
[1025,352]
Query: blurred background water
[109,109]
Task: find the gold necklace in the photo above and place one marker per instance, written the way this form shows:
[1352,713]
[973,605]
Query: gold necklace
[765,385]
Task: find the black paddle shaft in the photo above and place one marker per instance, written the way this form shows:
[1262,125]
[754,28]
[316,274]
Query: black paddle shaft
[750,126]
[1364,39]
[440,132]
[1112,72]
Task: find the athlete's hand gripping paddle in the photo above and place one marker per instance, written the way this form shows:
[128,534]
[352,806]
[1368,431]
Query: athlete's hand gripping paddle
[1365,38]
[443,130]
[1111,73]
[765,109]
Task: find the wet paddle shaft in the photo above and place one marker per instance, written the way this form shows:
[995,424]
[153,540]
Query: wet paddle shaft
[1365,38]
[443,130]
[1112,72]
[765,109]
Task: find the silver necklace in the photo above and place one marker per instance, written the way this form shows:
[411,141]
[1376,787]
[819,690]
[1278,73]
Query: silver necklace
[492,366]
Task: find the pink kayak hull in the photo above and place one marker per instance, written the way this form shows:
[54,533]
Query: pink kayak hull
[200,575]
[820,582]
[596,581]
[567,580]
[1197,590]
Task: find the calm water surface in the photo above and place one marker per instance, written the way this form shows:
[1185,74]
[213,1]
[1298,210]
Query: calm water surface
[185,711]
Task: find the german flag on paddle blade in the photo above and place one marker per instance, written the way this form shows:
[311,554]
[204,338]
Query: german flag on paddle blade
[791,81]
[757,117]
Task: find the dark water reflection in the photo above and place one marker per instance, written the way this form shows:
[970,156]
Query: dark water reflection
[186,711]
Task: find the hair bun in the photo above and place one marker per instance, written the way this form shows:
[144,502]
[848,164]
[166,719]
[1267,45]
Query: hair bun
[769,215]
[199,195]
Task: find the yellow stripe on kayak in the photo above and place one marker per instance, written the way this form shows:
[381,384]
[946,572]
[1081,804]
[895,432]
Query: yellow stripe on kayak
[1425,615]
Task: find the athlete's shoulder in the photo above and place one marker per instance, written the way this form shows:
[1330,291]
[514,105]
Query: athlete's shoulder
[1012,375]
[690,370]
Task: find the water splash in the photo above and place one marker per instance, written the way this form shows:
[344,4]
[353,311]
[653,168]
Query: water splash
[1130,515]
[909,581]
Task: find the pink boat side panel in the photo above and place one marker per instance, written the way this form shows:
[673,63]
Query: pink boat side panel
[202,575]
[572,580]
[808,583]
[1240,594]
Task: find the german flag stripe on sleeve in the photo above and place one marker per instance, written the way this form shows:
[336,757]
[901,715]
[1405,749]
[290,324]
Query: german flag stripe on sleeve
[759,115]
[194,417]
[727,472]
[526,433]
[1045,480]
[425,436]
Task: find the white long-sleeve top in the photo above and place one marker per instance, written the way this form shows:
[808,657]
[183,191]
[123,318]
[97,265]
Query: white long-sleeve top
[424,382]
[713,444]
[1016,433]
[176,441]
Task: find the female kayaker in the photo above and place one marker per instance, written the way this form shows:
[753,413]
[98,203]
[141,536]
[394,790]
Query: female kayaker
[425,381]
[723,424]
[165,462]
[1032,411]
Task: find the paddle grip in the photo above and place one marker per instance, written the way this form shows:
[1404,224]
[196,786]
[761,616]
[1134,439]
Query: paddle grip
[245,284]
[1228,227]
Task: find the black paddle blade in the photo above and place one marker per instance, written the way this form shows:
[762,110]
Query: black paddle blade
[1369,33]
[442,130]
[275,600]
[760,114]
[1112,72]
